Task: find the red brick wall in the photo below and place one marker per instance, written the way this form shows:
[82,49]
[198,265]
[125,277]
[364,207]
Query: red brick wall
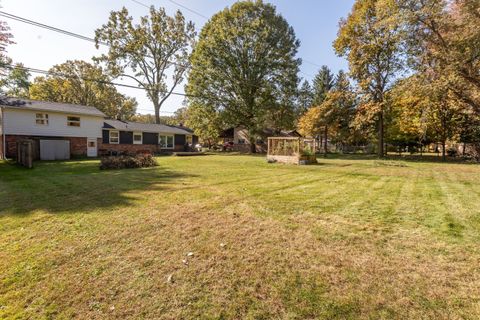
[78,145]
[11,145]
[105,148]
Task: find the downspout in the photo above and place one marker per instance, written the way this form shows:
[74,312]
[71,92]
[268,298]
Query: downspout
[4,156]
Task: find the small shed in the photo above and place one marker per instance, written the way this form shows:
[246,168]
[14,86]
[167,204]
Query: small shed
[292,150]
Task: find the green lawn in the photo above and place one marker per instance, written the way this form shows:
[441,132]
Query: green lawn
[350,238]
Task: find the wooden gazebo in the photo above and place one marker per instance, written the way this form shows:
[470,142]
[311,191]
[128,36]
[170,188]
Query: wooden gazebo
[292,150]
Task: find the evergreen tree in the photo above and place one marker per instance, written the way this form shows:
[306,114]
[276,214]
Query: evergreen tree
[322,84]
[305,98]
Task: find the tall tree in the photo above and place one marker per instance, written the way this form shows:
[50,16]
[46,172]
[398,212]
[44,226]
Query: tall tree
[426,107]
[147,52]
[83,83]
[445,39]
[322,84]
[5,38]
[15,80]
[345,103]
[373,41]
[5,61]
[206,123]
[305,98]
[333,116]
[244,66]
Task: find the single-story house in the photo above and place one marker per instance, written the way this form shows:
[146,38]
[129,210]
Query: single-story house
[133,137]
[58,129]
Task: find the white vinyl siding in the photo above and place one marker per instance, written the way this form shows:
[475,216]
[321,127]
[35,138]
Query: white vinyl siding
[137,138]
[23,122]
[114,137]
[166,141]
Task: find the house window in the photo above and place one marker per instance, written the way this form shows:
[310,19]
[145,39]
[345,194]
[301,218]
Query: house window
[114,137]
[166,142]
[241,141]
[189,140]
[41,119]
[73,121]
[137,138]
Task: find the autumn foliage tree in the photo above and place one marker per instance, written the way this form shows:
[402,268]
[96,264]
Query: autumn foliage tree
[372,40]
[333,116]
[445,40]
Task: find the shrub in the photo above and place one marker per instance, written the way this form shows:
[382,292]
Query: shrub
[307,151]
[127,162]
[452,152]
[474,152]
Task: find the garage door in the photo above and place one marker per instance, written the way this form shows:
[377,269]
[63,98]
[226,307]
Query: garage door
[54,149]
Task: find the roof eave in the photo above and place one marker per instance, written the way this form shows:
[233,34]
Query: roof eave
[102,115]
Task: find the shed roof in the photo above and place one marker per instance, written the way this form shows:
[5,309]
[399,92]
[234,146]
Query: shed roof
[145,127]
[48,106]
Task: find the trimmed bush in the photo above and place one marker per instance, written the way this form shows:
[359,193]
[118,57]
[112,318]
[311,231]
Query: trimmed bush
[128,162]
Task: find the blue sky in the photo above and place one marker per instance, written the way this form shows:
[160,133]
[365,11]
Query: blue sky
[315,23]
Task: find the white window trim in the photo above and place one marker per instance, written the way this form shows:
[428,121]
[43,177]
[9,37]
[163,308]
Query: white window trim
[166,135]
[79,121]
[141,137]
[44,118]
[110,137]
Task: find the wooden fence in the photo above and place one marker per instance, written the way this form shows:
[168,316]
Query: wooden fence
[25,153]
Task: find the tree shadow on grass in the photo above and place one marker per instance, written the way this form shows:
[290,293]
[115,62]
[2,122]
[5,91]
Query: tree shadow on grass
[76,186]
[428,158]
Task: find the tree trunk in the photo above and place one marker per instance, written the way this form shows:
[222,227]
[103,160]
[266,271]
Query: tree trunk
[444,153]
[253,147]
[464,151]
[380,151]
[156,107]
[325,141]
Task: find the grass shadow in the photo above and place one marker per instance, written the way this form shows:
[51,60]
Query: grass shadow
[428,158]
[75,186]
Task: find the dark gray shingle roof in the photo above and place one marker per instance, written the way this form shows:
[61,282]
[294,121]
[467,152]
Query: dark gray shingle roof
[144,127]
[16,103]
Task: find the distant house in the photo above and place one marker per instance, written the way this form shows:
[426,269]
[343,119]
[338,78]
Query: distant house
[58,129]
[123,136]
[241,140]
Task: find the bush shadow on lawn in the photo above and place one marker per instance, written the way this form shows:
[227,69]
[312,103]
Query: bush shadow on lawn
[76,186]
